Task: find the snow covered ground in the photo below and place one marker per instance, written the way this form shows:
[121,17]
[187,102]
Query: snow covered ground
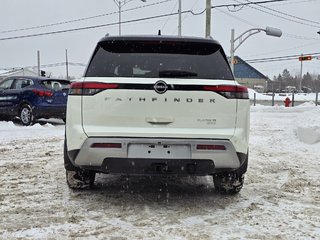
[280,198]
[299,98]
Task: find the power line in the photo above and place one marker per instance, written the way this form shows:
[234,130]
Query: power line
[185,16]
[280,58]
[255,60]
[87,28]
[83,19]
[286,14]
[255,25]
[134,20]
[286,49]
[295,2]
[238,18]
[60,64]
[276,15]
[169,17]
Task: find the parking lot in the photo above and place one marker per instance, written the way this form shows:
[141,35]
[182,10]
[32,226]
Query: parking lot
[280,198]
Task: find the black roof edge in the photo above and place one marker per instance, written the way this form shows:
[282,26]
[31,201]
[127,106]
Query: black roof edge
[159,38]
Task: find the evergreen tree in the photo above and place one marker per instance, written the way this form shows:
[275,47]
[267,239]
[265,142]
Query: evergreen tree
[307,80]
[279,80]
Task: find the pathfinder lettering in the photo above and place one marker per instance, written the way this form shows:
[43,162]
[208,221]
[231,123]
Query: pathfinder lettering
[154,99]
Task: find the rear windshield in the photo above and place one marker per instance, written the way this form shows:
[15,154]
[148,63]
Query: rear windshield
[151,59]
[56,85]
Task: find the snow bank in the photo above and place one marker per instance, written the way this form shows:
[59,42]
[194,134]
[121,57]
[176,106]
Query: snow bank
[308,125]
[302,120]
[10,131]
[309,135]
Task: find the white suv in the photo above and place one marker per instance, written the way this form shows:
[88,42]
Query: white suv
[157,105]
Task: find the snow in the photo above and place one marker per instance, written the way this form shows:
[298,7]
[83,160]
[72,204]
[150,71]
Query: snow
[11,131]
[299,97]
[280,198]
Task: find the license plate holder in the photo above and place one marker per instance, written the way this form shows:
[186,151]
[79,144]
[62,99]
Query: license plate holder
[160,151]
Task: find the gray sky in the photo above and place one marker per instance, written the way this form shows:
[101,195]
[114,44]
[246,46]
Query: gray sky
[299,35]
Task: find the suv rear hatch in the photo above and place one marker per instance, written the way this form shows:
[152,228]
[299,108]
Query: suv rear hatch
[159,87]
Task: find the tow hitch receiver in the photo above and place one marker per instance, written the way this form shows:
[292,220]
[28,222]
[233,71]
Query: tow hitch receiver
[160,167]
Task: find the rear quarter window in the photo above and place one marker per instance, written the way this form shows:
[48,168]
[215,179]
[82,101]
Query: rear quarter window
[56,85]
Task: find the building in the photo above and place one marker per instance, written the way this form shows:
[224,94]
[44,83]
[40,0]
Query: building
[248,76]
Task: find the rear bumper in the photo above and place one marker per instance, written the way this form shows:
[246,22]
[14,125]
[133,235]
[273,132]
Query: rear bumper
[143,166]
[116,160]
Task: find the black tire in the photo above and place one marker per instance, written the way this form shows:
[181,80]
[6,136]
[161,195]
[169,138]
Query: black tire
[26,115]
[77,178]
[80,179]
[229,183]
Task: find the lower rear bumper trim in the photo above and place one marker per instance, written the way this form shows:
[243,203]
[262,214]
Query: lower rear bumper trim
[158,166]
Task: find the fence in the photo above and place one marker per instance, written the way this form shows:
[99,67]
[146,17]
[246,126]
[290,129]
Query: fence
[281,102]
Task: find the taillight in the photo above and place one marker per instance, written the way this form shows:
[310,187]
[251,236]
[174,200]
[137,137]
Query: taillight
[210,147]
[90,88]
[42,93]
[229,91]
[106,145]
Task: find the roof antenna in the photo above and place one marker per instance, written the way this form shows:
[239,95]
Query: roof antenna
[159,32]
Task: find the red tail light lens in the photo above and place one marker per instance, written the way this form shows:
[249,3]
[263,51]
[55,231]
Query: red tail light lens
[210,147]
[229,91]
[42,93]
[89,88]
[106,145]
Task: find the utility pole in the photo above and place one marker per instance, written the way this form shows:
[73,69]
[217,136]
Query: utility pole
[120,4]
[179,23]
[67,67]
[208,18]
[120,18]
[38,57]
[300,83]
[232,51]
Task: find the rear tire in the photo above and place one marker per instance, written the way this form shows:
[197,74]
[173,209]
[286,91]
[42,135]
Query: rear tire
[229,183]
[26,115]
[77,178]
[80,179]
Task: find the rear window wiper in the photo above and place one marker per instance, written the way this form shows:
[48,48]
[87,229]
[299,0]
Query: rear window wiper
[177,73]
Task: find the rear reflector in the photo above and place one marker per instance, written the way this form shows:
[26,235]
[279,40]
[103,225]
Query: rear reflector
[106,145]
[90,88]
[229,91]
[210,147]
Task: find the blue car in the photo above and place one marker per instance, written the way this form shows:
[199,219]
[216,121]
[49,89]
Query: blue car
[32,98]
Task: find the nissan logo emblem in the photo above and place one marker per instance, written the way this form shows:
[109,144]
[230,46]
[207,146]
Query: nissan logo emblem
[160,87]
